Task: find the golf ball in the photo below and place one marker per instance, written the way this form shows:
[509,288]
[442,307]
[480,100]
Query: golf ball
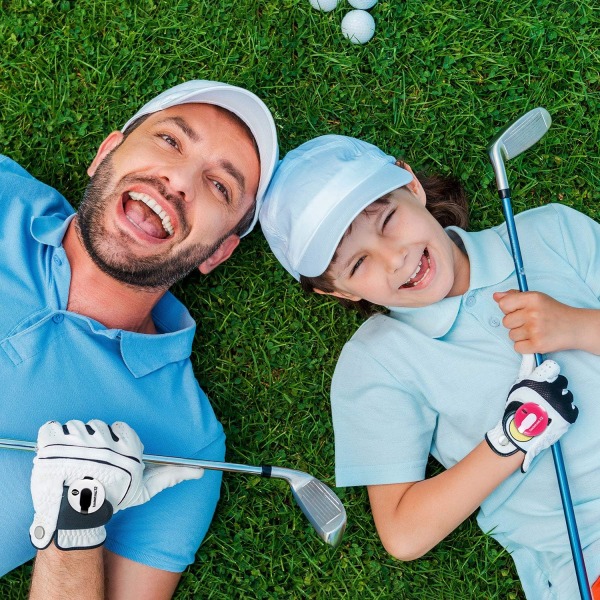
[358,26]
[324,5]
[363,4]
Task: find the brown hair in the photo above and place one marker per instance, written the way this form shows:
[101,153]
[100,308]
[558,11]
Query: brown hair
[447,203]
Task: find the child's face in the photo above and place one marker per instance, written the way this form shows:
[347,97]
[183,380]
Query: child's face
[397,254]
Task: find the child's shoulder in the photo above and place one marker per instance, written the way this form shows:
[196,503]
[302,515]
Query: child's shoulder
[375,334]
[553,213]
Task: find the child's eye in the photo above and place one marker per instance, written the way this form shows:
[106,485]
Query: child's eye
[387,219]
[221,189]
[171,141]
[356,265]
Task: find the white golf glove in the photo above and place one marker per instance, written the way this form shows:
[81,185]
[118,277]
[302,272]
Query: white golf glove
[538,411]
[83,474]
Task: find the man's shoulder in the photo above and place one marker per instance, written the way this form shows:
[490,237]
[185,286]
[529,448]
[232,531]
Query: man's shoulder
[22,192]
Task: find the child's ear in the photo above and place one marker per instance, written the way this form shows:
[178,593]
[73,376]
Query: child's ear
[341,295]
[415,185]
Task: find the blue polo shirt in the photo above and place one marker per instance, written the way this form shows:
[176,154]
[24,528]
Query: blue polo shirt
[433,380]
[56,364]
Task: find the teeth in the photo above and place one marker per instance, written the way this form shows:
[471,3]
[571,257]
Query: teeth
[157,208]
[417,271]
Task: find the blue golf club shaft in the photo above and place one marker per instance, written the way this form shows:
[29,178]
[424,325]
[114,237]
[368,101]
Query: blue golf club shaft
[559,463]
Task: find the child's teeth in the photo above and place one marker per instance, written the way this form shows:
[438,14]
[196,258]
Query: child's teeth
[415,273]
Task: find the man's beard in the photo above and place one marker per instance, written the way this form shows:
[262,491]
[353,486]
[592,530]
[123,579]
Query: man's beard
[151,272]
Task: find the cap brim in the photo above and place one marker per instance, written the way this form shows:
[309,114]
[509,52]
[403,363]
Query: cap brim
[321,247]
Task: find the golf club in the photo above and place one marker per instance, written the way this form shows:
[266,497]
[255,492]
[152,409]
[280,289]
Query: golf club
[510,142]
[319,504]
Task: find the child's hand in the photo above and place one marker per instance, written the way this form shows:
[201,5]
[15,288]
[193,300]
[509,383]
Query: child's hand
[537,322]
[539,410]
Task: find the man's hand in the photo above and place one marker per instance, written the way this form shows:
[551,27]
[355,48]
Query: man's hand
[538,411]
[83,474]
[538,323]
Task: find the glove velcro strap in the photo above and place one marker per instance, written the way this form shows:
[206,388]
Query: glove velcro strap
[499,443]
[69,518]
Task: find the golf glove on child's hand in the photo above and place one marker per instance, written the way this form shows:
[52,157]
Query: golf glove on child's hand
[538,411]
[83,474]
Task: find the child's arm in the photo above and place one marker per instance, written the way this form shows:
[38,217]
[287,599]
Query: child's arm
[538,323]
[413,517]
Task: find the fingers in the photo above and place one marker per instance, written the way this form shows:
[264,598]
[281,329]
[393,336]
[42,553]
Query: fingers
[547,371]
[160,477]
[508,301]
[527,366]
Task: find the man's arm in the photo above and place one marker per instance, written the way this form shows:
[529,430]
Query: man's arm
[58,575]
[129,580]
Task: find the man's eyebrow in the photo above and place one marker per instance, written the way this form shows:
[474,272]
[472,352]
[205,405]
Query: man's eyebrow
[183,125]
[236,174]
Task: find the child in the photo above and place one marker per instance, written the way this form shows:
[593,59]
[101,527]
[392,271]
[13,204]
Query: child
[431,376]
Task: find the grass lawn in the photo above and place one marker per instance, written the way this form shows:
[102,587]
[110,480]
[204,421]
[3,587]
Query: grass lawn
[433,86]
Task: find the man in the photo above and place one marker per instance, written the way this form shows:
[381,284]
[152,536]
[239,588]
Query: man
[89,330]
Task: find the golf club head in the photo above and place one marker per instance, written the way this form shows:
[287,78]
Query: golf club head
[515,139]
[319,504]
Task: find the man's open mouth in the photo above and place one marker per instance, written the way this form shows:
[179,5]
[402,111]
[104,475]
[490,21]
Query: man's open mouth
[420,272]
[147,214]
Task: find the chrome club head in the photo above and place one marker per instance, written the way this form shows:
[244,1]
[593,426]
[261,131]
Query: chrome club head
[515,139]
[319,504]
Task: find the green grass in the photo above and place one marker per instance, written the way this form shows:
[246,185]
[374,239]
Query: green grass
[433,86]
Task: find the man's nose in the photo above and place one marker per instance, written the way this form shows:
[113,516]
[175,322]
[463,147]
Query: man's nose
[181,178]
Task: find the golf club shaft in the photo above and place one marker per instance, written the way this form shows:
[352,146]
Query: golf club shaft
[153,459]
[559,463]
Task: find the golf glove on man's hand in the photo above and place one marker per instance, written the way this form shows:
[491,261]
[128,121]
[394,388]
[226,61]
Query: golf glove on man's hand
[538,411]
[83,474]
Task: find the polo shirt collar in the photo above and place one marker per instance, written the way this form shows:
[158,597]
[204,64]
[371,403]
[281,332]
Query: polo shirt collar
[50,229]
[490,263]
[142,353]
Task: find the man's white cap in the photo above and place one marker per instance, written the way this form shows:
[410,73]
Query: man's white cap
[317,191]
[246,105]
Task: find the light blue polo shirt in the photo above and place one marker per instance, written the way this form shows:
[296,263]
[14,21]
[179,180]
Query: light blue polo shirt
[56,364]
[433,380]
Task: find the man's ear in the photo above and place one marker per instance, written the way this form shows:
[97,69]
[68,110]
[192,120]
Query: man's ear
[337,294]
[415,185]
[106,147]
[220,255]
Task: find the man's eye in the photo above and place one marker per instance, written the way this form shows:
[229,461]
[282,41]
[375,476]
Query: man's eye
[221,189]
[357,265]
[171,141]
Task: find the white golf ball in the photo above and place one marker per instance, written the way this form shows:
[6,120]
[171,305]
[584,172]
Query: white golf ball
[324,5]
[363,4]
[358,26]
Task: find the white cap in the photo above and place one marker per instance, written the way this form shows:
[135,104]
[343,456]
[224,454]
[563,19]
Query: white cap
[246,105]
[317,191]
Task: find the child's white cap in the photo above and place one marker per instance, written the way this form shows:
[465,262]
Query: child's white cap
[242,103]
[317,191]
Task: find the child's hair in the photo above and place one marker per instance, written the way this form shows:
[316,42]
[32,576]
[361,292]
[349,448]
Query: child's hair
[447,203]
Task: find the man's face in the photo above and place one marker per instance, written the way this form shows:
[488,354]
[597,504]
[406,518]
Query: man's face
[164,200]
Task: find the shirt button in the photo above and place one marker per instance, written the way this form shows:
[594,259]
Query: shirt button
[471,300]
[58,318]
[57,260]
[494,322]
